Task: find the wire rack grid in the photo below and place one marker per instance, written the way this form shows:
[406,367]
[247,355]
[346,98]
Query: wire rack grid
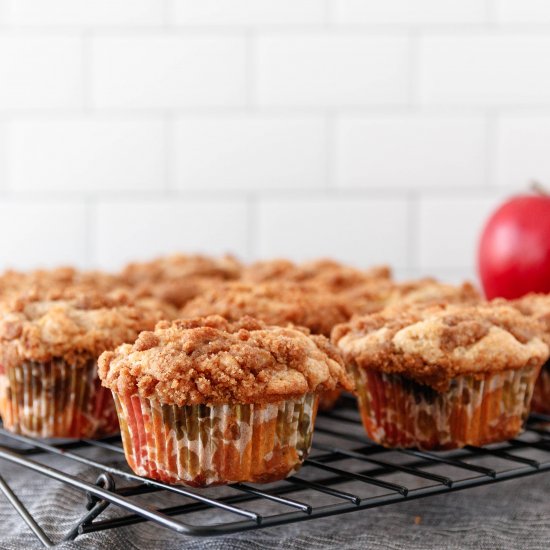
[344,473]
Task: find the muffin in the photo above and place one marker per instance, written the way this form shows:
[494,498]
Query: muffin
[444,376]
[328,274]
[538,306]
[178,278]
[275,304]
[375,295]
[207,401]
[166,310]
[48,362]
[45,281]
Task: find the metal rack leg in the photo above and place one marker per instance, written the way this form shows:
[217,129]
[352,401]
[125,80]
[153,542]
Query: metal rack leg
[94,506]
[25,514]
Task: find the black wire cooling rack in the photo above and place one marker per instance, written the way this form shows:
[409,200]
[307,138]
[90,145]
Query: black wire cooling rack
[345,472]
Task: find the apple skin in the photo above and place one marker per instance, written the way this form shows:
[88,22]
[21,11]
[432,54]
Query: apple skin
[514,250]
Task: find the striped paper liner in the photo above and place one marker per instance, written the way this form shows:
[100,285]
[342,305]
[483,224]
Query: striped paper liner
[200,445]
[541,393]
[477,409]
[56,399]
[328,399]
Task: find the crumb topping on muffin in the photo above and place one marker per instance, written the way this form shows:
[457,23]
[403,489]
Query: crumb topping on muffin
[74,329]
[273,303]
[374,296]
[179,266]
[329,274]
[45,281]
[430,290]
[176,292]
[434,344]
[536,305]
[211,360]
[178,278]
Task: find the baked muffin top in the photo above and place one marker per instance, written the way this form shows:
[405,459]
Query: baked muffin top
[374,296]
[176,292]
[273,303]
[74,329]
[331,275]
[535,305]
[178,278]
[144,301]
[211,360]
[434,344]
[178,266]
[43,281]
[430,290]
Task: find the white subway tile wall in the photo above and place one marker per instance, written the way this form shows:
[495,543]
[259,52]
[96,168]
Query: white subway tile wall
[87,153]
[373,131]
[278,151]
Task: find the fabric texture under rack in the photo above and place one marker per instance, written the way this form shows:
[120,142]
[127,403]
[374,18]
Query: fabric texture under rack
[513,514]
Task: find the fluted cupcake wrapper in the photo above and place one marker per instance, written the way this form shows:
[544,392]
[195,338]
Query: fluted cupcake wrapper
[328,399]
[541,393]
[56,399]
[476,409]
[202,445]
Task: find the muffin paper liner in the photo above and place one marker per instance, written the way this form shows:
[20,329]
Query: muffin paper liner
[476,410]
[328,398]
[56,399]
[200,445]
[541,393]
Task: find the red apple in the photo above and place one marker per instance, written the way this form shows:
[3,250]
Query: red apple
[514,251]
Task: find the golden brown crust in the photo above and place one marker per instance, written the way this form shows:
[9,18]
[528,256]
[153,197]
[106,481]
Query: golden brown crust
[329,274]
[211,360]
[273,303]
[430,290]
[374,296]
[179,266]
[535,305]
[264,271]
[144,301]
[75,329]
[45,281]
[434,344]
[176,292]
[178,278]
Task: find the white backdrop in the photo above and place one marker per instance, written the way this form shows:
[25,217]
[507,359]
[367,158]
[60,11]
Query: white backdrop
[374,131]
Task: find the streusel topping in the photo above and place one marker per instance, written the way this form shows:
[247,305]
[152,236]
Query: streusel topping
[273,303]
[430,290]
[180,266]
[211,360]
[177,279]
[374,296]
[76,329]
[329,274]
[434,344]
[537,306]
[42,281]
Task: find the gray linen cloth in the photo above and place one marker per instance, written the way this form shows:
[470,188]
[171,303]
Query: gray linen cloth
[512,514]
